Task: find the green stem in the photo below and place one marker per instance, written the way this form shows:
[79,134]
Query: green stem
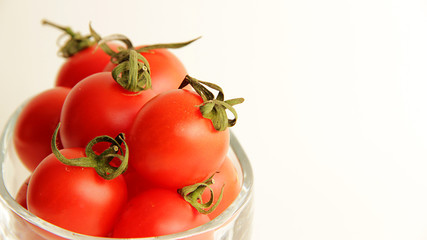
[74,44]
[214,108]
[193,195]
[101,162]
[67,30]
[134,73]
[166,45]
[133,70]
[102,43]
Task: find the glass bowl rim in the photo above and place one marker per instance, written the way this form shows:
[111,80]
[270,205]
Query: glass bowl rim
[239,203]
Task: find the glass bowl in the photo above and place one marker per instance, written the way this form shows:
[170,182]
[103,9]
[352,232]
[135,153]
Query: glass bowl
[234,223]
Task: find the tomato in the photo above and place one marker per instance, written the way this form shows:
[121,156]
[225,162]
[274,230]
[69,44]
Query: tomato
[135,182]
[25,228]
[167,71]
[21,195]
[83,56]
[36,124]
[98,106]
[157,212]
[75,198]
[171,144]
[81,65]
[226,176]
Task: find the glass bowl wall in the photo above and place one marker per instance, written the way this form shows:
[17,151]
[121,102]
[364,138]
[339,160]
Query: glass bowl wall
[233,224]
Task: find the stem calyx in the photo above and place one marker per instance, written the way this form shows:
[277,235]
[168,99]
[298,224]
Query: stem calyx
[101,162]
[214,108]
[193,195]
[133,70]
[74,44]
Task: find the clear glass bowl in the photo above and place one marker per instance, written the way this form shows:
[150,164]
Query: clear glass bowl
[234,223]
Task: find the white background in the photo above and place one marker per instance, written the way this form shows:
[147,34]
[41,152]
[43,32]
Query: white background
[335,119]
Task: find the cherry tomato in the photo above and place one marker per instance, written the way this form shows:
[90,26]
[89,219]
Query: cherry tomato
[135,182]
[75,198]
[226,176]
[167,71]
[81,65]
[25,228]
[173,144]
[98,106]
[157,212]
[36,124]
[21,195]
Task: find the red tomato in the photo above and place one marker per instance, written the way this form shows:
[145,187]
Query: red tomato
[157,212]
[172,145]
[81,65]
[167,71]
[36,124]
[226,176]
[24,228]
[135,183]
[21,195]
[75,198]
[98,106]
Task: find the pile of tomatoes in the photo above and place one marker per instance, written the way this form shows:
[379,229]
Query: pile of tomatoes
[126,143]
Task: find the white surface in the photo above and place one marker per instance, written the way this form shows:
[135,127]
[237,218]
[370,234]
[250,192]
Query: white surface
[335,118]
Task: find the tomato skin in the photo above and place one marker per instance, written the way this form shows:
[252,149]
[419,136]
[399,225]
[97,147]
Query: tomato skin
[81,65]
[75,198]
[21,195]
[35,126]
[135,182]
[167,71]
[176,146]
[98,106]
[226,176]
[157,212]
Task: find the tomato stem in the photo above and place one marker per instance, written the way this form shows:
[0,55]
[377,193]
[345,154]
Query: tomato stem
[101,162]
[74,44]
[133,70]
[166,45]
[134,73]
[214,108]
[193,195]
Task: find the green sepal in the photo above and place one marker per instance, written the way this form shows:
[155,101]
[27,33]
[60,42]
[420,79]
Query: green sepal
[74,44]
[214,108]
[134,74]
[193,195]
[101,162]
